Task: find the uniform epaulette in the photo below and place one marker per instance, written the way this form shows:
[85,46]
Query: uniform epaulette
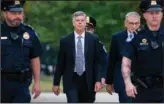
[28,27]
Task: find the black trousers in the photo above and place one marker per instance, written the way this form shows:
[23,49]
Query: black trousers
[15,92]
[154,93]
[79,93]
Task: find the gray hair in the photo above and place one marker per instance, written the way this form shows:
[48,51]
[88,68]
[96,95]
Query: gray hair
[132,14]
[78,13]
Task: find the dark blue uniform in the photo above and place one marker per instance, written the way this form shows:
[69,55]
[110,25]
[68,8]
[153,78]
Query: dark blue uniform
[18,46]
[104,60]
[147,49]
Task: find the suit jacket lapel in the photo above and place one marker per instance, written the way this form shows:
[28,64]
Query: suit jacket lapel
[72,41]
[86,43]
[126,34]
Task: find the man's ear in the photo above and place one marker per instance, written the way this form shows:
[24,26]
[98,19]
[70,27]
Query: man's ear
[125,23]
[144,15]
[4,14]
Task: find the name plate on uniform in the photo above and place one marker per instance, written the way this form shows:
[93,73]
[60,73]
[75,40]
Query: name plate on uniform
[3,37]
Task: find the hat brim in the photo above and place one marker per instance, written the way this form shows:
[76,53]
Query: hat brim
[154,9]
[16,9]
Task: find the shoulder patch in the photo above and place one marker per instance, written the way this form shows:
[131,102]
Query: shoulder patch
[100,42]
[104,49]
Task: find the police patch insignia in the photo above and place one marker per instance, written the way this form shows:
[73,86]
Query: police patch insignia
[17,2]
[153,2]
[144,41]
[26,35]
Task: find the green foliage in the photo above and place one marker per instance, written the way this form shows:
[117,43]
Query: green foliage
[53,19]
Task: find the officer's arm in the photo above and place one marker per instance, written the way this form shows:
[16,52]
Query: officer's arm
[35,62]
[128,52]
[126,70]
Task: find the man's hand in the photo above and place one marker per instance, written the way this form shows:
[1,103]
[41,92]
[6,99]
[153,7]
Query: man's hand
[36,90]
[102,82]
[109,88]
[130,90]
[97,86]
[56,90]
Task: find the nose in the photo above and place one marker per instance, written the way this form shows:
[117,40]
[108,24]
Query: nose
[80,22]
[17,14]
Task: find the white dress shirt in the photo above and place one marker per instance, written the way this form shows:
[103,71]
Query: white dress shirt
[129,38]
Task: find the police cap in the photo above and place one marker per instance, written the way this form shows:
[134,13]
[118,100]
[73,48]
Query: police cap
[12,5]
[151,5]
[91,21]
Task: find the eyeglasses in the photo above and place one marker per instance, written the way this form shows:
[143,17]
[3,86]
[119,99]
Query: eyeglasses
[133,23]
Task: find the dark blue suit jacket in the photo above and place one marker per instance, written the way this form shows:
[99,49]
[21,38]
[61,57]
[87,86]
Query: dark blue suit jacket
[114,75]
[66,61]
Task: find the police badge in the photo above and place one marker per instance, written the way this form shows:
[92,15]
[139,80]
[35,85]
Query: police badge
[26,35]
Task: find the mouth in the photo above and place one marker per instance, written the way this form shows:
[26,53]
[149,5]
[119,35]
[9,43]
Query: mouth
[154,20]
[17,20]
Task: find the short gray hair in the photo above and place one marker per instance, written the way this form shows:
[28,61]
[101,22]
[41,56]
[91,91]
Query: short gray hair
[132,14]
[78,13]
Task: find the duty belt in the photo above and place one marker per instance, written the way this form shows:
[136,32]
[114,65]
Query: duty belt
[18,76]
[150,81]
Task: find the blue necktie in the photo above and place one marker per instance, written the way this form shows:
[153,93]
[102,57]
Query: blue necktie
[79,57]
[131,36]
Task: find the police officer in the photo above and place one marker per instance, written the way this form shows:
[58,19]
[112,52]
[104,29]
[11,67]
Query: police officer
[90,27]
[147,85]
[20,51]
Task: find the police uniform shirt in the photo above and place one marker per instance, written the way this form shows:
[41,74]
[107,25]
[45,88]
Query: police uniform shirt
[148,57]
[18,46]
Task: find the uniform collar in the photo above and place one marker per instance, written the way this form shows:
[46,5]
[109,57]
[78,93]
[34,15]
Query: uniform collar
[12,29]
[161,30]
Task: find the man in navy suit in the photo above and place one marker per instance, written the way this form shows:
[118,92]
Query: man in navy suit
[78,63]
[114,76]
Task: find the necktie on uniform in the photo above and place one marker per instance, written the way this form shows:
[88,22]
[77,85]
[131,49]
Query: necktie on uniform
[79,57]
